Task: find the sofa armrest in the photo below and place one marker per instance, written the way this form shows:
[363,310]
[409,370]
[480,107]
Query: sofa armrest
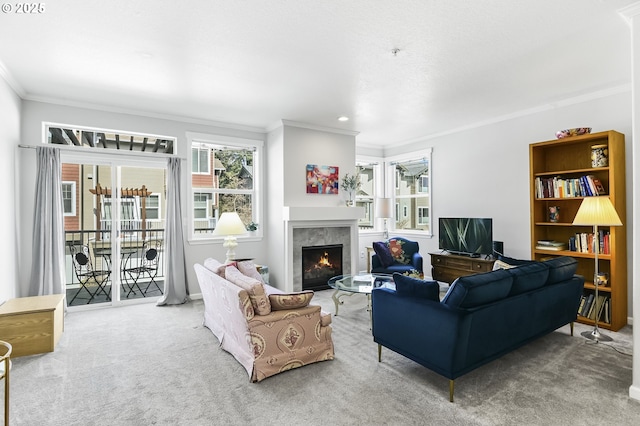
[424,330]
[288,339]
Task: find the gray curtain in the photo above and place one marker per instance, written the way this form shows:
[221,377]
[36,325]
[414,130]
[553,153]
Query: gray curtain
[175,284]
[47,271]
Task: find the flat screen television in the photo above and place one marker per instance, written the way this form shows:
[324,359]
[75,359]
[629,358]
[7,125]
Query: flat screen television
[466,235]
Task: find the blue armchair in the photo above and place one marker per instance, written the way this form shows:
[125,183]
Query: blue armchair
[396,255]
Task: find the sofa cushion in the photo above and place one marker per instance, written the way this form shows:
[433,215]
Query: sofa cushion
[215,266]
[254,288]
[383,252]
[415,287]
[561,268]
[281,302]
[479,289]
[248,268]
[515,262]
[528,277]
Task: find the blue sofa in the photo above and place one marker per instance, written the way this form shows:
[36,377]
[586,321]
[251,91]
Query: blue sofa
[397,254]
[481,318]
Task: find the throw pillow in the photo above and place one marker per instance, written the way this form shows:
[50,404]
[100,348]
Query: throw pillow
[415,287]
[499,264]
[248,268]
[397,251]
[215,266]
[254,288]
[284,301]
[383,252]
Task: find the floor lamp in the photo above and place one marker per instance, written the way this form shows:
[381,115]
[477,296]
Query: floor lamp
[384,210]
[230,225]
[596,211]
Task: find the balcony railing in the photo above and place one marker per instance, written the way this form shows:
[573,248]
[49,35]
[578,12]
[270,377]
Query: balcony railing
[137,246]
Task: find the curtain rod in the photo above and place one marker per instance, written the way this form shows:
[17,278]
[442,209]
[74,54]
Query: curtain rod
[102,151]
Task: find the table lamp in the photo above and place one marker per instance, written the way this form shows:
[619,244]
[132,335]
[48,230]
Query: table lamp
[384,210]
[596,211]
[230,225]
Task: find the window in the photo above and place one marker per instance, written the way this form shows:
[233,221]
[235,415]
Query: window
[412,188]
[152,204]
[69,198]
[200,160]
[229,182]
[367,172]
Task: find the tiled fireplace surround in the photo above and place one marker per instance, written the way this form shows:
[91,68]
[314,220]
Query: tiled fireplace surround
[319,226]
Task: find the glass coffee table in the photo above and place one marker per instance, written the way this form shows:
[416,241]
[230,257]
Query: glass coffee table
[348,285]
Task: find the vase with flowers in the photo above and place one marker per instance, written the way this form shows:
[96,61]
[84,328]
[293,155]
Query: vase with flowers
[350,184]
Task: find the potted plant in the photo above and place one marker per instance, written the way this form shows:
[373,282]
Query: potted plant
[252,226]
[350,183]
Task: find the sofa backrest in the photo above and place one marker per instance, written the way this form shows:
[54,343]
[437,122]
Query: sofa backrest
[528,277]
[561,269]
[479,289]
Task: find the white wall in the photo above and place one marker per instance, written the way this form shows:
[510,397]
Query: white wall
[10,105]
[484,171]
[35,113]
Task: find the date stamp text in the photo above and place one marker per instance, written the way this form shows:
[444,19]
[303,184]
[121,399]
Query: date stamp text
[23,8]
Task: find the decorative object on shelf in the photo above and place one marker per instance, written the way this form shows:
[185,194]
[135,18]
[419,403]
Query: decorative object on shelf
[384,210]
[322,179]
[350,183]
[599,155]
[554,214]
[603,279]
[230,225]
[577,131]
[597,211]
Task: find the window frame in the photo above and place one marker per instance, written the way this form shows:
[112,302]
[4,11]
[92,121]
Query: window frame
[257,145]
[74,199]
[377,163]
[392,184]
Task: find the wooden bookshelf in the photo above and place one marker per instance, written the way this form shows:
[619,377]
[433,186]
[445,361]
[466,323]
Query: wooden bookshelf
[570,158]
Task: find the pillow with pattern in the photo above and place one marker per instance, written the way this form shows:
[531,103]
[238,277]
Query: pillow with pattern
[284,301]
[254,288]
[397,251]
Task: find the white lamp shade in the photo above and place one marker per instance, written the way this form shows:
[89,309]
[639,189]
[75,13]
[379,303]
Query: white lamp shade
[229,224]
[597,211]
[384,208]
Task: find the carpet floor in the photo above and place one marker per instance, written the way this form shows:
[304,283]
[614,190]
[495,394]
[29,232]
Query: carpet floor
[150,365]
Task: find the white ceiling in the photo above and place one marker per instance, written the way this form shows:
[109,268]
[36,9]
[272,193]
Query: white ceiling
[254,62]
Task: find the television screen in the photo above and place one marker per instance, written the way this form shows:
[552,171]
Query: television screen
[466,235]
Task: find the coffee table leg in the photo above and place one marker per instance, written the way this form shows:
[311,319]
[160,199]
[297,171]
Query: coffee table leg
[336,298]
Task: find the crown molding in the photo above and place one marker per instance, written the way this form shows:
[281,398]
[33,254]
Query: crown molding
[292,123]
[119,110]
[630,11]
[624,88]
[12,82]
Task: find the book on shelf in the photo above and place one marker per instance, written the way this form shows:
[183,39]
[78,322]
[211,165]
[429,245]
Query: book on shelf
[587,305]
[559,187]
[596,307]
[550,243]
[550,248]
[585,242]
[583,299]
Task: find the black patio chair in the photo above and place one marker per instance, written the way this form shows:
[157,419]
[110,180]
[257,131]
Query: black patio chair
[147,267]
[87,273]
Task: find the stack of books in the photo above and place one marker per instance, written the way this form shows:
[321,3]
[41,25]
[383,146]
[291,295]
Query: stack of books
[551,245]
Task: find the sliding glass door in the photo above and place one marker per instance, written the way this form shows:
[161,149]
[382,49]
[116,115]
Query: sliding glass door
[114,229]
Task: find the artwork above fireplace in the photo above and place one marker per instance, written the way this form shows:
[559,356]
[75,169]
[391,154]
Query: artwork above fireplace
[319,263]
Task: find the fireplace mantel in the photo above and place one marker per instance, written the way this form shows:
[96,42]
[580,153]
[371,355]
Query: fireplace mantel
[315,226]
[322,213]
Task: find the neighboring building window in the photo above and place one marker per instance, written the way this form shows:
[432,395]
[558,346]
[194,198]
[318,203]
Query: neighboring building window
[229,183]
[200,160]
[412,183]
[368,174]
[69,198]
[152,204]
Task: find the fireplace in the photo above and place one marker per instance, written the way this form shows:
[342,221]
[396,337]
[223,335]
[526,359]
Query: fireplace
[319,263]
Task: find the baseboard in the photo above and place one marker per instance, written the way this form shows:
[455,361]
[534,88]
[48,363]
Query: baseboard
[197,296]
[634,392]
